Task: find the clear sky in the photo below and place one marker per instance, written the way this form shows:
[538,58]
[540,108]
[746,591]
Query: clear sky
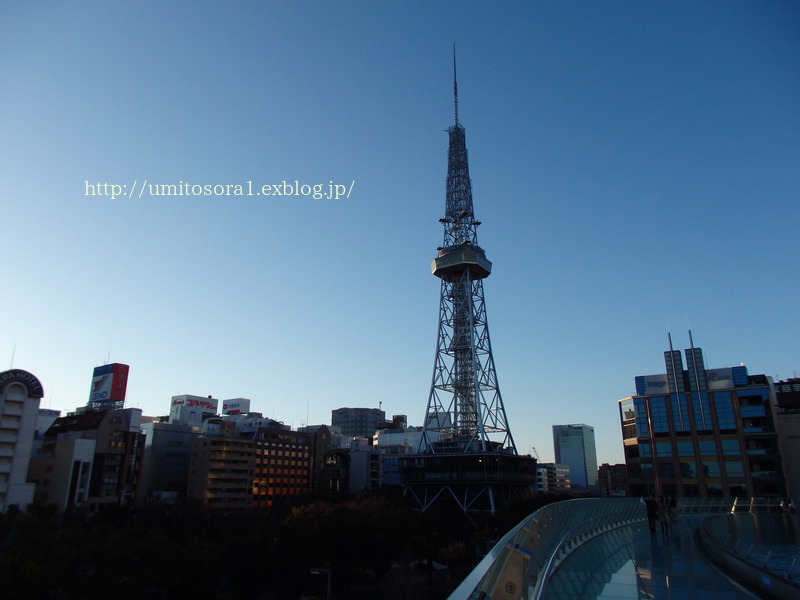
[635,166]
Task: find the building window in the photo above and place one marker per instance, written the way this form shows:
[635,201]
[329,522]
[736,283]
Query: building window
[711,469]
[626,410]
[680,413]
[685,448]
[702,412]
[688,470]
[666,470]
[658,413]
[642,426]
[730,447]
[707,448]
[734,468]
[725,417]
[663,449]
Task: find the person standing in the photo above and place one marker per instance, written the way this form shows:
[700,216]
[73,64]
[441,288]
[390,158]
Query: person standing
[663,514]
[651,506]
[672,504]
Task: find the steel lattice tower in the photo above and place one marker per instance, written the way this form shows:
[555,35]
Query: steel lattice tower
[467,448]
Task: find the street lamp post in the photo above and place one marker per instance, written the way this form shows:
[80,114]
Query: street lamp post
[327,573]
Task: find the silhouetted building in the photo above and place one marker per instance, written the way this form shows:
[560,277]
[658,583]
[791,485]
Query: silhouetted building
[324,439]
[221,472]
[336,474]
[92,459]
[613,480]
[167,456]
[787,397]
[364,466]
[358,422]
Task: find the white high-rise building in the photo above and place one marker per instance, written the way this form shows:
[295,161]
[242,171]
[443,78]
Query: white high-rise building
[20,393]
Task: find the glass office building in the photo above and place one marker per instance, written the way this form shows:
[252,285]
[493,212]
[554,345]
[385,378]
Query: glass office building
[574,446]
[702,432]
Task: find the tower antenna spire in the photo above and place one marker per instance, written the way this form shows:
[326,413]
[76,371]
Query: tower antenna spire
[466,454]
[455,83]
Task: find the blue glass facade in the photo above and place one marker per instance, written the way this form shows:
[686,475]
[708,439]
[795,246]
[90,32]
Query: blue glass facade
[713,434]
[574,446]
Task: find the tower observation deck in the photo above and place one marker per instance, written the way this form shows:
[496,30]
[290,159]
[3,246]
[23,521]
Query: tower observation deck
[467,453]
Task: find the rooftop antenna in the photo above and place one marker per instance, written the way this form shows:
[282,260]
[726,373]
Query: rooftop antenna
[455,83]
[13,352]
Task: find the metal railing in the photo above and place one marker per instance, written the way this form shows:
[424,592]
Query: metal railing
[520,564]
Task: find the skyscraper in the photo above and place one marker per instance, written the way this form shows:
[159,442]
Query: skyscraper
[574,446]
[467,452]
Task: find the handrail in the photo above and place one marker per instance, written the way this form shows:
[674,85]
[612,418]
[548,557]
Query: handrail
[520,564]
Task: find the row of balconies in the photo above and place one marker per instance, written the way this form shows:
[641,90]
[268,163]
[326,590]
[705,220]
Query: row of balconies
[13,408]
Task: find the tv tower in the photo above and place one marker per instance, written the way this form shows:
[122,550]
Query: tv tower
[467,453]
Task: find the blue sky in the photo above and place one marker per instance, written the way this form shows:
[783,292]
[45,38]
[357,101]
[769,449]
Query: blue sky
[634,164]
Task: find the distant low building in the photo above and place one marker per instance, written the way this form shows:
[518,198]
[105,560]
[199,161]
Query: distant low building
[393,443]
[358,422]
[552,478]
[365,466]
[787,399]
[613,480]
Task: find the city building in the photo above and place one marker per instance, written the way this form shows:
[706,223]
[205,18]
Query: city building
[91,458]
[364,472]
[283,461]
[394,443]
[613,480]
[221,472]
[467,456]
[192,410]
[166,461]
[336,472]
[574,446]
[702,432]
[20,393]
[324,439]
[552,478]
[787,398]
[358,422]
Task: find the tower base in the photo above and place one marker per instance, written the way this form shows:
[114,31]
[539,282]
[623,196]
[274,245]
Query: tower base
[475,482]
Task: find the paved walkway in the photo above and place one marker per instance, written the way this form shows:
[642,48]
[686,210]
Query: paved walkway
[630,563]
